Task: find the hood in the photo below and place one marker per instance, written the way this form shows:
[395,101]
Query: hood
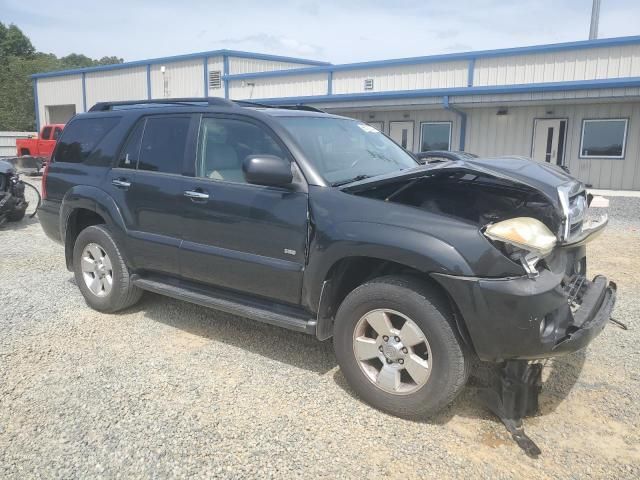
[543,177]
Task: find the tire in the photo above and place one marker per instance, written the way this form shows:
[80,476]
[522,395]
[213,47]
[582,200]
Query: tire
[122,293]
[16,215]
[414,300]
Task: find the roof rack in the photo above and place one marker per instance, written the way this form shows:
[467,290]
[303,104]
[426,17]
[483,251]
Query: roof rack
[212,101]
[299,106]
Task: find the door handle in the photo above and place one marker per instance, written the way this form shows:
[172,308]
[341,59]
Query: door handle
[195,195]
[120,183]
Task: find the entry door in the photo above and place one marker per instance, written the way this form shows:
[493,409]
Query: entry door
[402,134]
[548,140]
[239,236]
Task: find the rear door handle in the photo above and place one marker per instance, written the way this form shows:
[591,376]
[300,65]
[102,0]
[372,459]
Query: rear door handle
[120,183]
[195,195]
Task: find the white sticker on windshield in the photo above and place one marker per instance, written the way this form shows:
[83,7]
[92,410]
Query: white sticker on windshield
[367,128]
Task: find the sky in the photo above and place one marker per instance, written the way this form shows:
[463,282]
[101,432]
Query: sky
[337,31]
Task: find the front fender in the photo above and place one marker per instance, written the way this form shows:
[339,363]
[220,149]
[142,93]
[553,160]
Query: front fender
[93,199]
[413,248]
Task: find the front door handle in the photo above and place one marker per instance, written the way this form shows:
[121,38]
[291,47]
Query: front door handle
[195,195]
[120,183]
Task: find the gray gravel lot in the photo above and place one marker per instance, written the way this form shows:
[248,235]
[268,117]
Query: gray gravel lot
[168,389]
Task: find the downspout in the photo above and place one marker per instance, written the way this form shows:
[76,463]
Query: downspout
[463,121]
[35,101]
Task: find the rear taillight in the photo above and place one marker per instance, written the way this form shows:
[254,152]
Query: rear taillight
[44,181]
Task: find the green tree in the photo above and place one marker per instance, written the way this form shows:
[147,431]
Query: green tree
[14,42]
[18,61]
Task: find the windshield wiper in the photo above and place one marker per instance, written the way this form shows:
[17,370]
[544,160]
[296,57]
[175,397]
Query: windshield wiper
[350,180]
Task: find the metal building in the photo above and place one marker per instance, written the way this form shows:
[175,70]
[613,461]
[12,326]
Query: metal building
[575,104]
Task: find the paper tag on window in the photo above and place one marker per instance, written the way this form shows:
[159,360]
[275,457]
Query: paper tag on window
[367,128]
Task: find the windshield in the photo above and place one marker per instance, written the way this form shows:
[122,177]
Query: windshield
[345,150]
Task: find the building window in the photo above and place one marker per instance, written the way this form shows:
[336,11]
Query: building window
[435,136]
[603,138]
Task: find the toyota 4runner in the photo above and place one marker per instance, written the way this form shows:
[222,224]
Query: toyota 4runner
[323,225]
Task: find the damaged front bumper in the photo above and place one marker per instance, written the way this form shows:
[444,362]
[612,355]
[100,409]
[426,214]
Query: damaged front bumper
[531,318]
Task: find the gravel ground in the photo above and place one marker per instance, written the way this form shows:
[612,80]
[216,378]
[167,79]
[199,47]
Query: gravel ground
[168,389]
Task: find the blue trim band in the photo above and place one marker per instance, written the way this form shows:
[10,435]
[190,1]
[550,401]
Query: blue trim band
[148,81]
[330,83]
[178,58]
[35,101]
[626,82]
[205,66]
[470,70]
[225,74]
[84,93]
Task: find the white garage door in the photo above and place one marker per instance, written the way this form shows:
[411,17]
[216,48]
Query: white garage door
[60,113]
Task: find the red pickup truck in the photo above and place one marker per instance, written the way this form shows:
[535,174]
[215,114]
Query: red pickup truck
[41,146]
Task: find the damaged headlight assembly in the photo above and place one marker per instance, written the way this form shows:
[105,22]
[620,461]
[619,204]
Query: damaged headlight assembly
[525,239]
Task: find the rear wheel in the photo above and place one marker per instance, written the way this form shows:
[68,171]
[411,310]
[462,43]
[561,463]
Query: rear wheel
[397,346]
[101,273]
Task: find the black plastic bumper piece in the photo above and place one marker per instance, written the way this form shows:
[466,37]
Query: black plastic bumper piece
[512,396]
[592,316]
[529,319]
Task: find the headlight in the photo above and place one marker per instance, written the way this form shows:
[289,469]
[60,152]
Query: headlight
[524,233]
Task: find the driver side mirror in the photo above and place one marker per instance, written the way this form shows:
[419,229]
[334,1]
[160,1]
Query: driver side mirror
[267,170]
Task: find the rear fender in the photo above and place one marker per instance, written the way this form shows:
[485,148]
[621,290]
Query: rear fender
[95,200]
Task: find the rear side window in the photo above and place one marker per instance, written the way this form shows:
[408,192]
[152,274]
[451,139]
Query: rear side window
[81,136]
[130,154]
[46,133]
[163,144]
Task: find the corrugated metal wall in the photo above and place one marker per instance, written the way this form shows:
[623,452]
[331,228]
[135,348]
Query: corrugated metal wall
[121,84]
[489,134]
[8,142]
[512,134]
[287,86]
[406,77]
[65,90]
[584,64]
[251,65]
[180,79]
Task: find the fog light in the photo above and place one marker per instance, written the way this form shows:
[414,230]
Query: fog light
[547,325]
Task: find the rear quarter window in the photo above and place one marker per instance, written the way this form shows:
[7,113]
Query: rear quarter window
[81,137]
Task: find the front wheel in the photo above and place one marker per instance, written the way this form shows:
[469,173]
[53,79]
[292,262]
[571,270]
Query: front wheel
[398,347]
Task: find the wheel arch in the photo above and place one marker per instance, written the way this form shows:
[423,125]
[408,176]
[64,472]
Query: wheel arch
[83,206]
[349,272]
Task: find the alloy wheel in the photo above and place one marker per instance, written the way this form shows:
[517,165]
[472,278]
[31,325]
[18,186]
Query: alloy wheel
[96,270]
[392,351]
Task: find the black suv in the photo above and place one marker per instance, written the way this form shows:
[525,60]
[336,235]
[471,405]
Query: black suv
[323,225]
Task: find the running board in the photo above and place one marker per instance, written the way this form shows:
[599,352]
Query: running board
[229,302]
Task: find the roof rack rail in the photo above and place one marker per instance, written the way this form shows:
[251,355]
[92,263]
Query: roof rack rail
[212,101]
[249,103]
[307,108]
[299,106]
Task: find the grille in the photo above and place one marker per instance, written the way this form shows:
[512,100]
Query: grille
[574,289]
[215,79]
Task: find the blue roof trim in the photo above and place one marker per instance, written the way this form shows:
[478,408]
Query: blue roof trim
[448,57]
[178,58]
[441,92]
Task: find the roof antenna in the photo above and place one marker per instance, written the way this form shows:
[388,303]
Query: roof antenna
[595,20]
